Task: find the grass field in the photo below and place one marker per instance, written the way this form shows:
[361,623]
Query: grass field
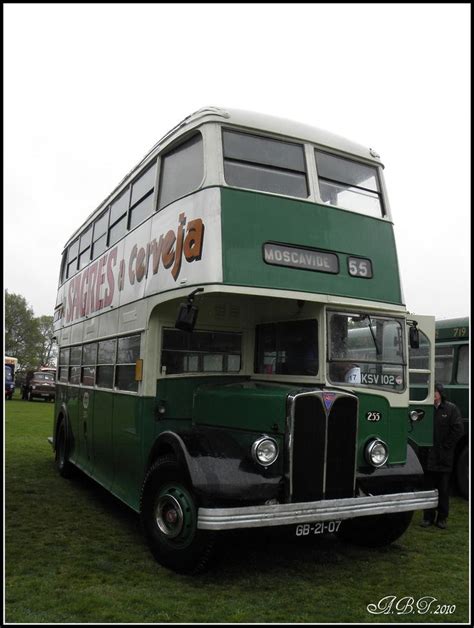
[75,554]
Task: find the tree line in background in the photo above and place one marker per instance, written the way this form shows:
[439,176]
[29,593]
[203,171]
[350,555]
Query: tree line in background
[28,338]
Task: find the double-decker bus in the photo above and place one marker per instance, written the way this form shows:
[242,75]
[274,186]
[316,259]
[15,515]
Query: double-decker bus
[233,341]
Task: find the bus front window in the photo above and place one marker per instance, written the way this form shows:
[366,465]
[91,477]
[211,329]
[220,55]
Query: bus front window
[289,348]
[366,350]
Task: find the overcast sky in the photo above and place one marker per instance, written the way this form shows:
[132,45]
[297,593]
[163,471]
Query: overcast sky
[90,88]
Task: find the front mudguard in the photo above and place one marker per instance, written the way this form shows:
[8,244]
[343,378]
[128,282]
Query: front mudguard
[393,478]
[220,469]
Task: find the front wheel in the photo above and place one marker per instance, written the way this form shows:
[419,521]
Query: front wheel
[376,530]
[169,519]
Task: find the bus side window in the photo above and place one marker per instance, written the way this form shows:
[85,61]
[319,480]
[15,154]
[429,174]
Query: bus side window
[141,202]
[99,243]
[72,258]
[444,355]
[462,375]
[182,170]
[128,353]
[105,364]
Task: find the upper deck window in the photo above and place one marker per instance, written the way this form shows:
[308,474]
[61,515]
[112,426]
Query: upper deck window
[99,243]
[85,248]
[118,217]
[349,184]
[261,163]
[72,258]
[141,203]
[182,170]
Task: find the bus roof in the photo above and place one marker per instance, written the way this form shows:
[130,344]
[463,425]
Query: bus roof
[244,120]
[452,329]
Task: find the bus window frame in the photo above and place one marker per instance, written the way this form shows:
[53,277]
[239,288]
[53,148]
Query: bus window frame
[381,188]
[179,141]
[257,133]
[155,162]
[457,363]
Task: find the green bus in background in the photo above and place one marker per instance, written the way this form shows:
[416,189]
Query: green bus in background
[452,370]
[234,342]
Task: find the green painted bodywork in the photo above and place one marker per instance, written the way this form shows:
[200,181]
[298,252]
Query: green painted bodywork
[111,435]
[452,329]
[392,427]
[114,434]
[250,219]
[248,406]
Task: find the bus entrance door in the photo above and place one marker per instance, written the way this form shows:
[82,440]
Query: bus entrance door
[421,383]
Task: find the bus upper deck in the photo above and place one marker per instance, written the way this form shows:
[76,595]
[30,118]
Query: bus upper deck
[259,202]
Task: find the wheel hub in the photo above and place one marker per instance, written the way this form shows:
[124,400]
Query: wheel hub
[169,515]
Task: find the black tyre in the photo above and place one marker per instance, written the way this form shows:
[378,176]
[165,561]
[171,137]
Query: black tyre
[462,472]
[64,467]
[169,519]
[375,531]
[30,396]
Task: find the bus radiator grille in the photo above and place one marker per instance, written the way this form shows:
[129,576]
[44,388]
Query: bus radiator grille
[324,449]
[341,449]
[309,436]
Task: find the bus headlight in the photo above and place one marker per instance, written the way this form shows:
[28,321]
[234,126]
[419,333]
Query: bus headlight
[376,453]
[265,451]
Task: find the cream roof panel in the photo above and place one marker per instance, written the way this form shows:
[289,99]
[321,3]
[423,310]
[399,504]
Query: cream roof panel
[286,128]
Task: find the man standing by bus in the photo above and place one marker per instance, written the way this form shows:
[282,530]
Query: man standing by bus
[447,429]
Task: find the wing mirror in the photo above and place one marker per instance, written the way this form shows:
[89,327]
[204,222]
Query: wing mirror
[414,336]
[187,313]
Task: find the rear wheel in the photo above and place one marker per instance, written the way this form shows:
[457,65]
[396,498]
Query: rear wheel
[169,519]
[64,467]
[375,531]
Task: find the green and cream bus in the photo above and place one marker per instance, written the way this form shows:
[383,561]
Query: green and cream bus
[234,340]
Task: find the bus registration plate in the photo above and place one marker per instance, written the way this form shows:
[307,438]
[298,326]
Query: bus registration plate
[320,527]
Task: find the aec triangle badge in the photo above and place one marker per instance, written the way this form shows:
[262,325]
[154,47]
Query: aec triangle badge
[328,398]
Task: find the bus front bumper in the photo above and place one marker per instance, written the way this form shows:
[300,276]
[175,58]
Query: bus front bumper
[306,512]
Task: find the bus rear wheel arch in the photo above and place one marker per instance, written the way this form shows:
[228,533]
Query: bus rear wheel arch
[168,515]
[63,465]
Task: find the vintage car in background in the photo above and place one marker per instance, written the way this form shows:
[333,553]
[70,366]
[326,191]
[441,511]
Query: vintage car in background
[40,385]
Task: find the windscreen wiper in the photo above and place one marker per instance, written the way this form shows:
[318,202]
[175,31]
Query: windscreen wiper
[377,348]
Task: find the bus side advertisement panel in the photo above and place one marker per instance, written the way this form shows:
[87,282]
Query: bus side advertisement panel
[180,245]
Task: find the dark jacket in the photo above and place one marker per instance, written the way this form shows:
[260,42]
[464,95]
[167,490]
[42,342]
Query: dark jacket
[447,430]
